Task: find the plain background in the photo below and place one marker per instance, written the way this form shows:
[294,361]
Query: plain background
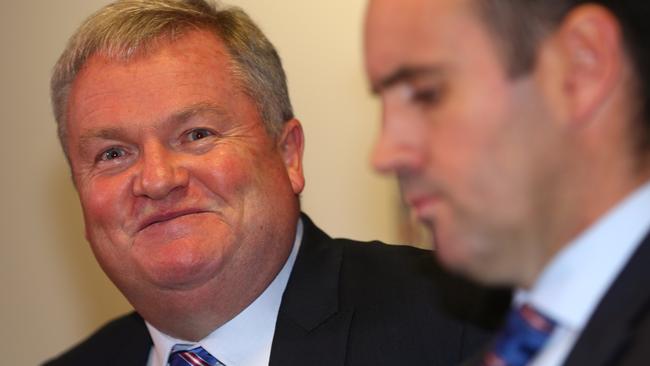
[53,292]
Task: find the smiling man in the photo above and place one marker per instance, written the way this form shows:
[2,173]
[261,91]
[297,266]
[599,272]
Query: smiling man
[175,118]
[520,135]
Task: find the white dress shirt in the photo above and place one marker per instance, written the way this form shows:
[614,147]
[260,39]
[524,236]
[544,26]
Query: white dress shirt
[246,339]
[573,284]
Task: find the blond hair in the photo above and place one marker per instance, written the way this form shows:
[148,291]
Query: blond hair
[127,28]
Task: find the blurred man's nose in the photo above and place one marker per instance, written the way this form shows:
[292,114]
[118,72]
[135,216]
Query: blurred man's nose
[160,172]
[397,149]
[383,154]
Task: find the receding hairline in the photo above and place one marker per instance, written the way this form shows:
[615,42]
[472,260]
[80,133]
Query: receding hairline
[151,47]
[216,50]
[127,27]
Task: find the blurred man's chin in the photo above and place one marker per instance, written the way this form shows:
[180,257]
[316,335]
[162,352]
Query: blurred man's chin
[457,257]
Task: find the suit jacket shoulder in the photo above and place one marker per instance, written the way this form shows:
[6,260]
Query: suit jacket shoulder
[123,341]
[618,333]
[351,303]
[346,303]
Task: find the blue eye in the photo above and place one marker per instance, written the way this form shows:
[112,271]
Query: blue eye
[111,154]
[199,133]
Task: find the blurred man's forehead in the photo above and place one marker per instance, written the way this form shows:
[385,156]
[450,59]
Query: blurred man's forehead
[417,12]
[414,34]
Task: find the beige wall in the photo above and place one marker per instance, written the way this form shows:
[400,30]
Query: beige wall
[53,293]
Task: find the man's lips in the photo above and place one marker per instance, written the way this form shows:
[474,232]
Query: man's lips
[167,216]
[422,204]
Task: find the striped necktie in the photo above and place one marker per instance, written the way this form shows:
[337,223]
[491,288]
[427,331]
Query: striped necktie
[184,355]
[524,334]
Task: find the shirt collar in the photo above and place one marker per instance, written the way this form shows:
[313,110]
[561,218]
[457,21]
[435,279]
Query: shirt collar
[245,339]
[572,285]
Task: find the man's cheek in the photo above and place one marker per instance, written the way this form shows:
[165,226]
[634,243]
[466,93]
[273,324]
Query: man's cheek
[226,176]
[103,211]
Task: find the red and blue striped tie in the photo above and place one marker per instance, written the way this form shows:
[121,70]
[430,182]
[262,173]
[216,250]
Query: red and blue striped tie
[197,356]
[524,334]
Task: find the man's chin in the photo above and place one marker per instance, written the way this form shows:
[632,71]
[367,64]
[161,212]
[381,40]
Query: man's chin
[182,262]
[179,275]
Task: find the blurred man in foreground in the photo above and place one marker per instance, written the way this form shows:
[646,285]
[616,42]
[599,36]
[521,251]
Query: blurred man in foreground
[520,134]
[175,118]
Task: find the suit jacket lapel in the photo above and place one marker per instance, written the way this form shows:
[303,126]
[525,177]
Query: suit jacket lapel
[312,327]
[616,318]
[134,344]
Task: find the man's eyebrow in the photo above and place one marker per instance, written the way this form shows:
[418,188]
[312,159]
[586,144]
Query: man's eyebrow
[403,74]
[110,133]
[180,117]
[197,109]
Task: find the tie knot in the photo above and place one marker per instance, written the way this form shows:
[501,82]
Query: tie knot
[524,334]
[188,355]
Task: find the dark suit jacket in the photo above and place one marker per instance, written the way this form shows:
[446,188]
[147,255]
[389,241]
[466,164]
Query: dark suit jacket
[618,332]
[346,303]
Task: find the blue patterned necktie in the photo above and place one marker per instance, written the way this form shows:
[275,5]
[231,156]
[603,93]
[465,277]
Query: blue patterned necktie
[523,335]
[183,355]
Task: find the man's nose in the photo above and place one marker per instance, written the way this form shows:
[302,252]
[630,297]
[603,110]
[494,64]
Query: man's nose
[161,171]
[396,152]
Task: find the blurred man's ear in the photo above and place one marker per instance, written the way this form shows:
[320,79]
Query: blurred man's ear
[592,53]
[291,145]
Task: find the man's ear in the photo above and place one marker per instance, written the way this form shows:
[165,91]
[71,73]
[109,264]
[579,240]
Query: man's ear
[291,145]
[591,46]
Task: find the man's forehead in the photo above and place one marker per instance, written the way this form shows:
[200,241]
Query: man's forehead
[181,56]
[412,33]
[416,15]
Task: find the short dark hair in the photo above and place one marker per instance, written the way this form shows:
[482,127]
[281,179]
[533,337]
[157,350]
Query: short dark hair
[520,25]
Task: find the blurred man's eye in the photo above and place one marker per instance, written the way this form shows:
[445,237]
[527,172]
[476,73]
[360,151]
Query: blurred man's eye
[422,94]
[426,96]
